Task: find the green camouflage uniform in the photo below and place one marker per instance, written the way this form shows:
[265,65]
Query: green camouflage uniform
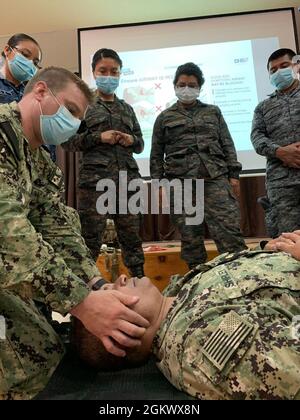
[195,143]
[104,161]
[276,123]
[230,333]
[43,257]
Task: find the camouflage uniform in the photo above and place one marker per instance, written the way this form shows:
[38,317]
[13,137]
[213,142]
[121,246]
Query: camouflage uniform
[229,333]
[104,161]
[195,143]
[270,217]
[43,257]
[276,124]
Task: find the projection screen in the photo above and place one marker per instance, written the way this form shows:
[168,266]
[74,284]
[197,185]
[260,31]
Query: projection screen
[231,50]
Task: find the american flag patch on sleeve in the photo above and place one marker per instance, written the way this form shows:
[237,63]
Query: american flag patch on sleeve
[223,343]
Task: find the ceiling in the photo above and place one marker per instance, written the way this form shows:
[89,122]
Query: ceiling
[35,16]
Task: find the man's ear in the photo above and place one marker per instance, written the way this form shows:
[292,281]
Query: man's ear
[7,49]
[40,90]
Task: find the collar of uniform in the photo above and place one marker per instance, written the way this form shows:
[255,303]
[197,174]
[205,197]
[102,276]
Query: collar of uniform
[102,102]
[179,107]
[12,110]
[10,84]
[163,329]
[15,113]
[280,95]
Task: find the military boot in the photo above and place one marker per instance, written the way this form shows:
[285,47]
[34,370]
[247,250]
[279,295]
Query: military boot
[137,271]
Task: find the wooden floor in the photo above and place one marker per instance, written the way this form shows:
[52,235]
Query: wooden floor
[162,260]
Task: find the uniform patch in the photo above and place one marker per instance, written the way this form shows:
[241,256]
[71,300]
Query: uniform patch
[2,328]
[221,345]
[226,277]
[57,178]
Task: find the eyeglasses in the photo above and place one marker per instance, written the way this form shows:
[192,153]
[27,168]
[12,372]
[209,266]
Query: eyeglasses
[27,54]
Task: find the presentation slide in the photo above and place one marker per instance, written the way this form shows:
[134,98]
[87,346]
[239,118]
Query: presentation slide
[231,83]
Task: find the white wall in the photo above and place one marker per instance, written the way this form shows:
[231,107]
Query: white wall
[60,48]
[297,15]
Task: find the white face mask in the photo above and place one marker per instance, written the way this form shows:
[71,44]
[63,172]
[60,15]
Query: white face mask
[187,94]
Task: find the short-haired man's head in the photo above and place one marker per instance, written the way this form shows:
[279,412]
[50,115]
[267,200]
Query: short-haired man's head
[189,69]
[105,53]
[280,53]
[57,78]
[17,38]
[92,352]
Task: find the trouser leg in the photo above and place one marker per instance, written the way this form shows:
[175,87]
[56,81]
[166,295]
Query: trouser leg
[222,216]
[30,351]
[93,224]
[128,228]
[192,236]
[285,208]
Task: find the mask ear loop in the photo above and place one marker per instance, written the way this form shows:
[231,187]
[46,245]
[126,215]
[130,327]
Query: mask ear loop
[54,96]
[41,109]
[86,110]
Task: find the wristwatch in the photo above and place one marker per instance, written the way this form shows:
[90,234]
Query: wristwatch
[98,284]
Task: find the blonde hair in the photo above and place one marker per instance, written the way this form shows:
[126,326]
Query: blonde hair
[57,78]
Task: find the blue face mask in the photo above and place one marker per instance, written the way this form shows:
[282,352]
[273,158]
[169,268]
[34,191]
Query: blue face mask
[59,127]
[283,78]
[21,68]
[107,84]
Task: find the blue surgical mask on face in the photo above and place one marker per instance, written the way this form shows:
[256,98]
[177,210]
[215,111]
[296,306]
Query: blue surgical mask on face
[21,68]
[107,84]
[283,78]
[59,127]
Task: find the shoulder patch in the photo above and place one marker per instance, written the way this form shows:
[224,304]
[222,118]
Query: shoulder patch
[57,177]
[223,343]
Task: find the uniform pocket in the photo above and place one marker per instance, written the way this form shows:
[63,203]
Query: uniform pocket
[176,165]
[92,171]
[210,124]
[128,123]
[276,171]
[96,122]
[174,130]
[215,150]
